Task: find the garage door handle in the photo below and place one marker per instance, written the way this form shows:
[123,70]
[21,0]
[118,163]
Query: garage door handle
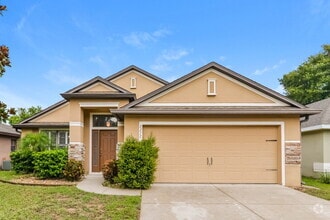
[271,169]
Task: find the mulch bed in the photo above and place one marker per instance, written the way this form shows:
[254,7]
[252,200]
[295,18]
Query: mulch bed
[40,182]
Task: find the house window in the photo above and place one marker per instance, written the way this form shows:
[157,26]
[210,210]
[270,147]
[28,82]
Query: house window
[13,145]
[58,138]
[105,121]
[133,83]
[211,87]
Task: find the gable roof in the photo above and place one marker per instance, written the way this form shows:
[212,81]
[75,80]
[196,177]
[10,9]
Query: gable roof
[291,108]
[320,119]
[7,130]
[77,92]
[132,67]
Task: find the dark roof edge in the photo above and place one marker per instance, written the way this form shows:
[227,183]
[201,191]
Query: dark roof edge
[69,96]
[93,80]
[43,125]
[133,67]
[224,70]
[9,134]
[301,112]
[44,111]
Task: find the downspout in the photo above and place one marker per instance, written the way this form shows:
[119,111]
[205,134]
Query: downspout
[305,119]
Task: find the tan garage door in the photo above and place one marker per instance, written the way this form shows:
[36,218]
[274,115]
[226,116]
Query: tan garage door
[217,154]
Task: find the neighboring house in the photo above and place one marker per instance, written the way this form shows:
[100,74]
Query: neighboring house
[8,138]
[211,125]
[316,140]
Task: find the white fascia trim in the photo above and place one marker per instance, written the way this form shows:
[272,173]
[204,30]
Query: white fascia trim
[76,143]
[76,124]
[211,104]
[293,142]
[275,102]
[225,123]
[99,104]
[138,73]
[316,127]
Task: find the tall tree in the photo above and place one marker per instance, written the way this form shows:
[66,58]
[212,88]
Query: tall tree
[310,82]
[4,61]
[23,113]
[4,51]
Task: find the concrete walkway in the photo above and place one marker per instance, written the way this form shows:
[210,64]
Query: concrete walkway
[93,183]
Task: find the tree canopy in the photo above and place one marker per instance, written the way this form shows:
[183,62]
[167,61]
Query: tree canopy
[23,113]
[310,82]
[4,61]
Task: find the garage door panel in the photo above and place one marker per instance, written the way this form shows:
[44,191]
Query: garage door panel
[240,154]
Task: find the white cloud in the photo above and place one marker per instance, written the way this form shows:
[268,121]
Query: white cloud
[139,39]
[280,89]
[13,100]
[63,75]
[269,68]
[160,67]
[98,60]
[173,54]
[222,58]
[20,25]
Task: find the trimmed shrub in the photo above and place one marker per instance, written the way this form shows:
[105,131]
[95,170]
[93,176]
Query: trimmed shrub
[110,171]
[50,164]
[73,170]
[137,163]
[35,141]
[325,178]
[22,161]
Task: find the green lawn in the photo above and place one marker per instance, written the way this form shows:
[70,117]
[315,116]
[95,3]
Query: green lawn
[323,190]
[62,202]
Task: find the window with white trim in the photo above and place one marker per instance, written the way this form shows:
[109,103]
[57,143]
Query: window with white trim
[58,138]
[211,87]
[133,83]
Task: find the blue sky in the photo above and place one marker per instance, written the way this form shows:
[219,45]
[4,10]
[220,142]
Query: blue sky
[56,45]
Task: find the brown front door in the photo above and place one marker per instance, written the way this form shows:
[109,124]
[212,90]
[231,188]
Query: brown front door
[103,148]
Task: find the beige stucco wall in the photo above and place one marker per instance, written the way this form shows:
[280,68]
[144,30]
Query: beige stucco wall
[5,144]
[316,148]
[226,92]
[98,87]
[312,151]
[291,132]
[326,146]
[60,114]
[144,85]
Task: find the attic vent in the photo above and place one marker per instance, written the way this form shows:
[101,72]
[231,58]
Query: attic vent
[211,87]
[133,83]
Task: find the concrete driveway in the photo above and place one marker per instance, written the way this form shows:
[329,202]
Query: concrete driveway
[230,201]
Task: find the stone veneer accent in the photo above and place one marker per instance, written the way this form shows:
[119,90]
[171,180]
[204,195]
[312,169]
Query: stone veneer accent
[77,152]
[293,153]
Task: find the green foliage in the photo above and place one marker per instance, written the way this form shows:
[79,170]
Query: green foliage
[50,164]
[325,178]
[35,142]
[73,170]
[110,171]
[5,112]
[22,161]
[22,114]
[137,163]
[310,82]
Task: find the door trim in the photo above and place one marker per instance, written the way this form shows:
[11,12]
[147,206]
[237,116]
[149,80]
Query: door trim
[90,136]
[226,123]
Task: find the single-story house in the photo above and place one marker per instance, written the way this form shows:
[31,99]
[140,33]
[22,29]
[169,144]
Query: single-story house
[8,139]
[212,125]
[316,140]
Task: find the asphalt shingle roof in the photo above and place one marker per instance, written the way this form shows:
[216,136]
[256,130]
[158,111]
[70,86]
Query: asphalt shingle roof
[322,118]
[8,130]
